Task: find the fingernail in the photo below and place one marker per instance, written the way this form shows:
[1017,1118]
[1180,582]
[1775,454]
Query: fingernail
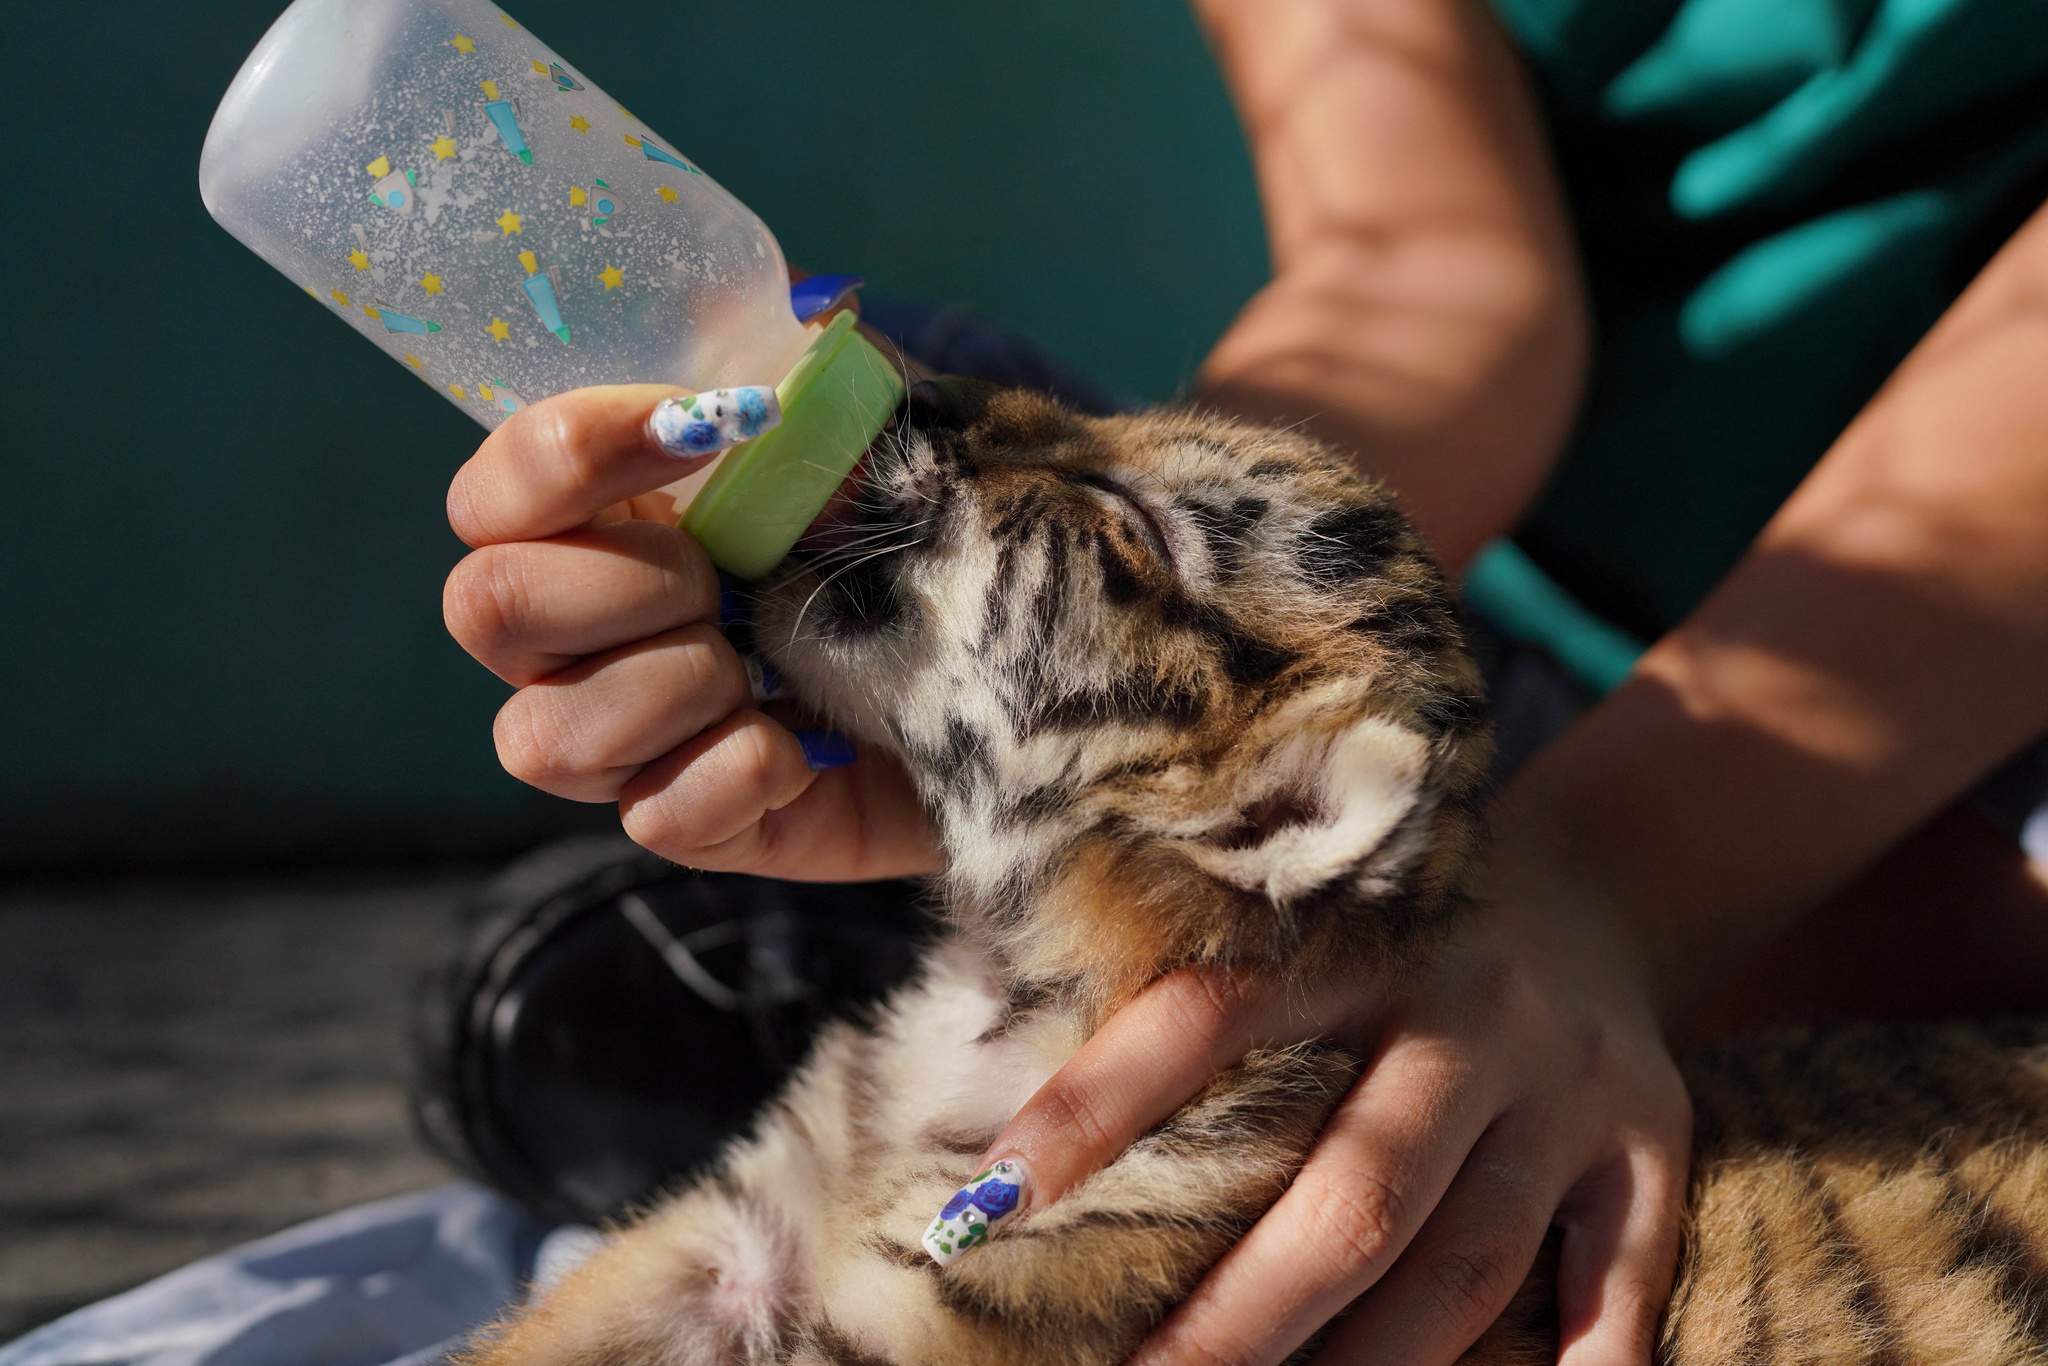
[813,296]
[766,684]
[977,1209]
[826,749]
[707,423]
[732,600]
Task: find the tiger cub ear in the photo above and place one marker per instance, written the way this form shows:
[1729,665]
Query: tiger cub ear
[1325,805]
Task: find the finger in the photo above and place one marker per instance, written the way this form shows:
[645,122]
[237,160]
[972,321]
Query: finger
[1619,1257]
[1384,1161]
[558,463]
[715,787]
[584,732]
[852,824]
[1467,1262]
[1144,1063]
[531,608]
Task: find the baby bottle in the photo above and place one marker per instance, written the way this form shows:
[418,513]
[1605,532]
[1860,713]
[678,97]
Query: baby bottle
[445,183]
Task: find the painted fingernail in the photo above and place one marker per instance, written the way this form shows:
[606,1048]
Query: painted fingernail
[976,1210]
[766,684]
[826,749]
[732,601]
[707,423]
[813,296]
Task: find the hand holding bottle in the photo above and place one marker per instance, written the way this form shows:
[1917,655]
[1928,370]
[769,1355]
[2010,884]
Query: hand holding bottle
[581,593]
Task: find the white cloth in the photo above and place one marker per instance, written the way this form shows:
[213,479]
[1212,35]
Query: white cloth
[400,1282]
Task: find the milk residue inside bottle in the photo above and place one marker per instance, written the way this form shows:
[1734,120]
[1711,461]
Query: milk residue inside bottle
[438,178]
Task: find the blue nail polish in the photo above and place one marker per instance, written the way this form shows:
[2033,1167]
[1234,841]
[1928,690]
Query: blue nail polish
[680,430]
[811,297]
[732,600]
[826,749]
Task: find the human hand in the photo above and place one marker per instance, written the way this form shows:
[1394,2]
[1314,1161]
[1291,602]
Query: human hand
[1518,1082]
[581,592]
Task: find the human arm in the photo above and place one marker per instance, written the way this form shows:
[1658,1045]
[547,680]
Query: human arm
[1425,311]
[1883,643]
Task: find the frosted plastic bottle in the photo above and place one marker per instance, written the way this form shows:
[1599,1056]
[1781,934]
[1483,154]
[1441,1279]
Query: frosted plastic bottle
[446,184]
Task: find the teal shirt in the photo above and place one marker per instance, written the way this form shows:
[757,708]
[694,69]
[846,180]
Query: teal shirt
[1775,199]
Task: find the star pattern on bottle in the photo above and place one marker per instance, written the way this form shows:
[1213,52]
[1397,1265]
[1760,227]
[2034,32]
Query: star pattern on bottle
[413,361]
[456,390]
[431,283]
[462,44]
[612,276]
[359,258]
[500,329]
[668,195]
[444,147]
[341,296]
[509,221]
[579,123]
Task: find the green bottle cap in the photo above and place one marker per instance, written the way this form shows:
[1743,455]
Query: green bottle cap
[768,491]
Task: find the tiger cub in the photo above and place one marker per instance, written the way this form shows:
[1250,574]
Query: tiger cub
[1177,690]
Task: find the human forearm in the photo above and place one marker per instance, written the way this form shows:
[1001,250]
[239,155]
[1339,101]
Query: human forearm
[1885,642]
[1425,311]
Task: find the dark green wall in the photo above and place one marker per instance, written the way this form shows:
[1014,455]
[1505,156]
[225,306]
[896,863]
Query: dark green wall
[221,546]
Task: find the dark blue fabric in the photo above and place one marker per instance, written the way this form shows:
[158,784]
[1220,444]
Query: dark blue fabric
[953,342]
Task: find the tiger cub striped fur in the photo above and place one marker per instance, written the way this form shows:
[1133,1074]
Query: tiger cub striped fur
[1177,690]
[1875,1195]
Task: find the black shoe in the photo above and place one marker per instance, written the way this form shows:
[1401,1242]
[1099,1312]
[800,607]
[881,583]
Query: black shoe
[603,1021]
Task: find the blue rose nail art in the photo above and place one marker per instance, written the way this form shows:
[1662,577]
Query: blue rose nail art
[753,409]
[975,1210]
[826,749]
[707,423]
[995,1198]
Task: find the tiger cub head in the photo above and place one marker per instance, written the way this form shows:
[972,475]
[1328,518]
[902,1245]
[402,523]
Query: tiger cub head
[1173,688]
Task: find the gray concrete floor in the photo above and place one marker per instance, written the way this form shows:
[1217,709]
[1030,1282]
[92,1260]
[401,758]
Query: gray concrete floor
[185,1065]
